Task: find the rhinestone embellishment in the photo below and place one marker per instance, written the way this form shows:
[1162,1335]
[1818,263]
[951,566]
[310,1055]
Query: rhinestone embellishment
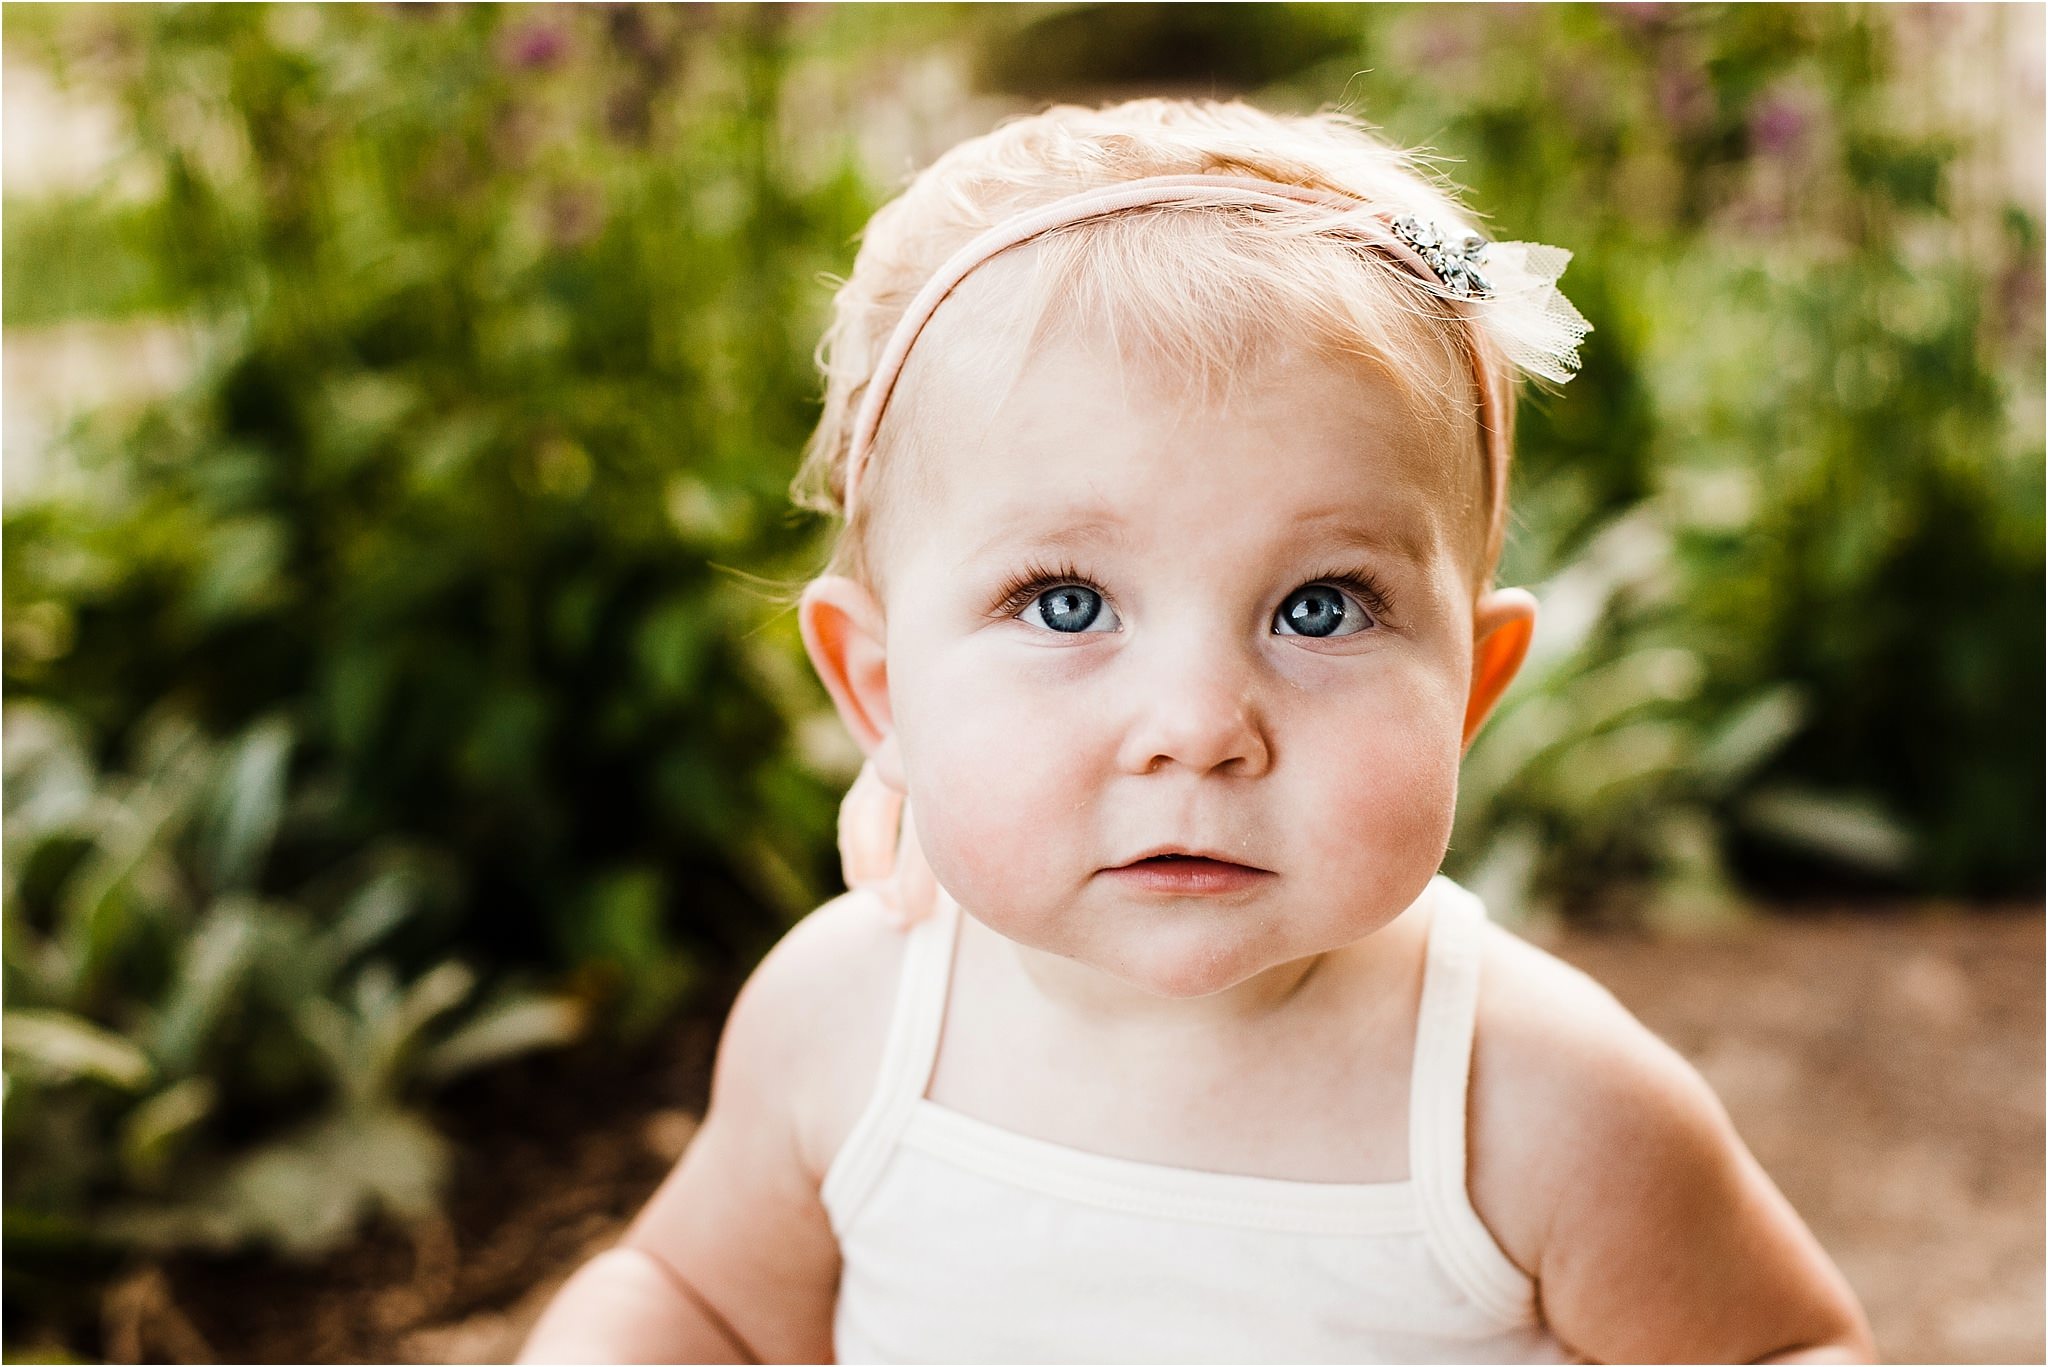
[1456,263]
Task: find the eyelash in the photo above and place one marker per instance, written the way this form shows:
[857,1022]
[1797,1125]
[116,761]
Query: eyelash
[1034,579]
[1018,593]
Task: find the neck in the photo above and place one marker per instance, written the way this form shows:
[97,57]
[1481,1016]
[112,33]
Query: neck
[1097,1000]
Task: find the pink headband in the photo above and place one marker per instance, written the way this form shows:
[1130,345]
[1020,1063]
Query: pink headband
[1414,245]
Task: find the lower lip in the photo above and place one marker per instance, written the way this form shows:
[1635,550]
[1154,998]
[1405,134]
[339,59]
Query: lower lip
[1188,877]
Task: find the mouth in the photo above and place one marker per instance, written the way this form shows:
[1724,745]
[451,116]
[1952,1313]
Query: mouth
[1181,855]
[1182,872]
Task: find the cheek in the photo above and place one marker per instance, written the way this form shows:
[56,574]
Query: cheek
[1390,802]
[998,778]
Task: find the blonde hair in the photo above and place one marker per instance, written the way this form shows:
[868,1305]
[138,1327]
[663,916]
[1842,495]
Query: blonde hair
[1207,293]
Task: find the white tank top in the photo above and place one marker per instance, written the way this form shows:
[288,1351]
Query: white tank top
[964,1242]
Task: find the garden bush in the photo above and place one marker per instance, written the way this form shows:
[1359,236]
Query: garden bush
[401,692]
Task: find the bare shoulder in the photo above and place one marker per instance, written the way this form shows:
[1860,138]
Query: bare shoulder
[1554,1054]
[811,1022]
[1608,1170]
[740,1223]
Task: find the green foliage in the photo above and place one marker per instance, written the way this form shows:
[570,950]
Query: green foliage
[502,323]
[189,1059]
[79,257]
[396,639]
[1611,771]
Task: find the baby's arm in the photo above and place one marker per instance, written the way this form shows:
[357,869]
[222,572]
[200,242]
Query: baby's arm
[733,1260]
[1660,1238]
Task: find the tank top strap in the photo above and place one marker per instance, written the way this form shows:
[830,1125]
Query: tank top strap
[908,1053]
[1437,1106]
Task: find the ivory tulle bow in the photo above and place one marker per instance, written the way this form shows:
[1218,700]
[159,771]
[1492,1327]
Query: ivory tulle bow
[879,853]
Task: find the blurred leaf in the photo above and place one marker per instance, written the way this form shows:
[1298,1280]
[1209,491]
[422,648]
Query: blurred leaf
[58,1047]
[306,1193]
[622,937]
[249,804]
[240,573]
[1849,828]
[334,1035]
[393,1033]
[49,775]
[216,957]
[375,909]
[1749,737]
[508,1028]
[152,1132]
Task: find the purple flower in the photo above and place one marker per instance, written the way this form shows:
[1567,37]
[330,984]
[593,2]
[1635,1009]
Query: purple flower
[575,216]
[1778,126]
[536,47]
[1643,17]
[1441,45]
[2017,300]
[1684,97]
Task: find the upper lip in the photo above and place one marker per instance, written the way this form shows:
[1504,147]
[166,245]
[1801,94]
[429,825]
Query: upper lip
[1188,851]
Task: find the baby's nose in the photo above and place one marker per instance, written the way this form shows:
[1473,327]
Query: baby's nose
[1197,709]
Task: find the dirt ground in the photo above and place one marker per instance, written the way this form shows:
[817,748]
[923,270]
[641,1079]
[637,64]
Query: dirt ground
[1886,1070]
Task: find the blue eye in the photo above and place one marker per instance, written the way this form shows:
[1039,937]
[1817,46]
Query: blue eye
[1319,610]
[1071,608]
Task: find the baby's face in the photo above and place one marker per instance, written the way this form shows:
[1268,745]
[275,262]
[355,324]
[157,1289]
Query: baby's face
[1117,624]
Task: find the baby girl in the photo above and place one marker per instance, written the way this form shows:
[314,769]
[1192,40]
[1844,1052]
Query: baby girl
[1172,442]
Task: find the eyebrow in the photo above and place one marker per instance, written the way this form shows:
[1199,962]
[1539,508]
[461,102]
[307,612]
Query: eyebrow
[1344,527]
[1097,525]
[1087,524]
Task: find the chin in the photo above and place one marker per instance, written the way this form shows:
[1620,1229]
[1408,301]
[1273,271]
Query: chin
[1183,972]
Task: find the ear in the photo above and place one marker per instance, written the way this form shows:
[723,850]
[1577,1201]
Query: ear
[843,633]
[1503,622]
